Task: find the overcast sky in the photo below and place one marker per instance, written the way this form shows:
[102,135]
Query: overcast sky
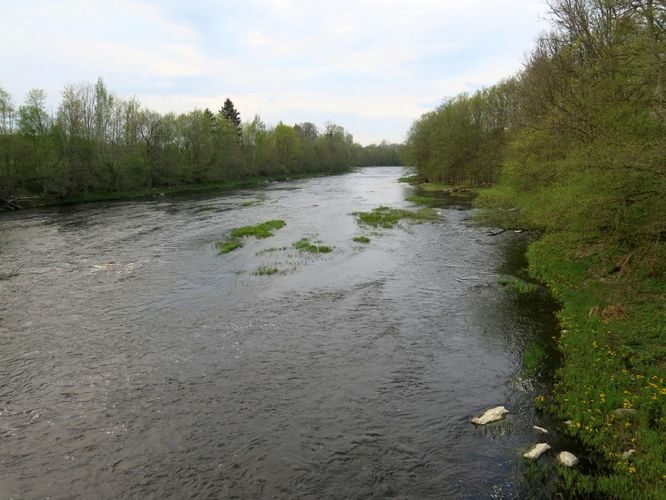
[372,66]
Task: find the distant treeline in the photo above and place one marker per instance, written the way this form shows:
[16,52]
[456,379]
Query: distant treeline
[578,138]
[97,142]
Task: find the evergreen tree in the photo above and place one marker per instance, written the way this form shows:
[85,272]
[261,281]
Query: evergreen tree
[230,112]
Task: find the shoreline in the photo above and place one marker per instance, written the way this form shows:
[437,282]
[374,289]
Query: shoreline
[610,389]
[35,202]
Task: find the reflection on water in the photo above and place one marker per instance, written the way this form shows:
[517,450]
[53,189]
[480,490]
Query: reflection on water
[136,362]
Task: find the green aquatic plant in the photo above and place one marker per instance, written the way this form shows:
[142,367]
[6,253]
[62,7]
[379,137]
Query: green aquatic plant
[305,245]
[250,203]
[266,271]
[387,217]
[226,246]
[270,250]
[262,230]
[361,239]
[205,208]
[534,360]
[424,200]
[521,286]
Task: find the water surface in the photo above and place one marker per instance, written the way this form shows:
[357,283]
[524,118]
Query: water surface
[135,362]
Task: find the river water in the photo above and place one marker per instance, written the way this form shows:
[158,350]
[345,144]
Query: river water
[136,362]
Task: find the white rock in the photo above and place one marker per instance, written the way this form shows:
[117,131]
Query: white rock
[491,415]
[540,429]
[628,454]
[567,459]
[536,451]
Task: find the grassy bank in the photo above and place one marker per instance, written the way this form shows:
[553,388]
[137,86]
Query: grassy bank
[611,386]
[427,186]
[156,192]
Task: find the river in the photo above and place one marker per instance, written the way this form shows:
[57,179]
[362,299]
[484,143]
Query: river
[136,362]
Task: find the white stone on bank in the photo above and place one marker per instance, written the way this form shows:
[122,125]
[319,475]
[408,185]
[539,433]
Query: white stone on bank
[567,459]
[536,451]
[540,429]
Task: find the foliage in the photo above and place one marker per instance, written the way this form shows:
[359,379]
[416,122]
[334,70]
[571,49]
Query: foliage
[98,144]
[519,285]
[411,179]
[576,143]
[361,239]
[462,140]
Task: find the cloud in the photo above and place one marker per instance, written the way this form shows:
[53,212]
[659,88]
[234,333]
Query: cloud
[364,63]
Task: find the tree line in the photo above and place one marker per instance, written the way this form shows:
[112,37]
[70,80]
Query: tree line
[97,142]
[577,139]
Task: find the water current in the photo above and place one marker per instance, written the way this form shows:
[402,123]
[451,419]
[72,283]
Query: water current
[137,362]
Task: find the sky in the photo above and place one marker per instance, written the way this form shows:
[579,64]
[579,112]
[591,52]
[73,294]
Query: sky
[372,66]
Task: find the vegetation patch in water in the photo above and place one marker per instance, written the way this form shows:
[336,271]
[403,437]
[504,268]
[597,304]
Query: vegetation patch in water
[270,250]
[205,208]
[521,286]
[305,245]
[262,230]
[250,203]
[387,217]
[424,200]
[534,360]
[266,271]
[361,239]
[226,246]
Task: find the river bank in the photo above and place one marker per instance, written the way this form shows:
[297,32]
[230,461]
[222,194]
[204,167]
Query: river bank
[610,388]
[609,392]
[26,202]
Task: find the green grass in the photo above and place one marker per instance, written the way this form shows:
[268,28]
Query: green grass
[521,286]
[266,271]
[387,217]
[533,360]
[361,239]
[305,245]
[262,230]
[424,200]
[434,186]
[226,246]
[613,341]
